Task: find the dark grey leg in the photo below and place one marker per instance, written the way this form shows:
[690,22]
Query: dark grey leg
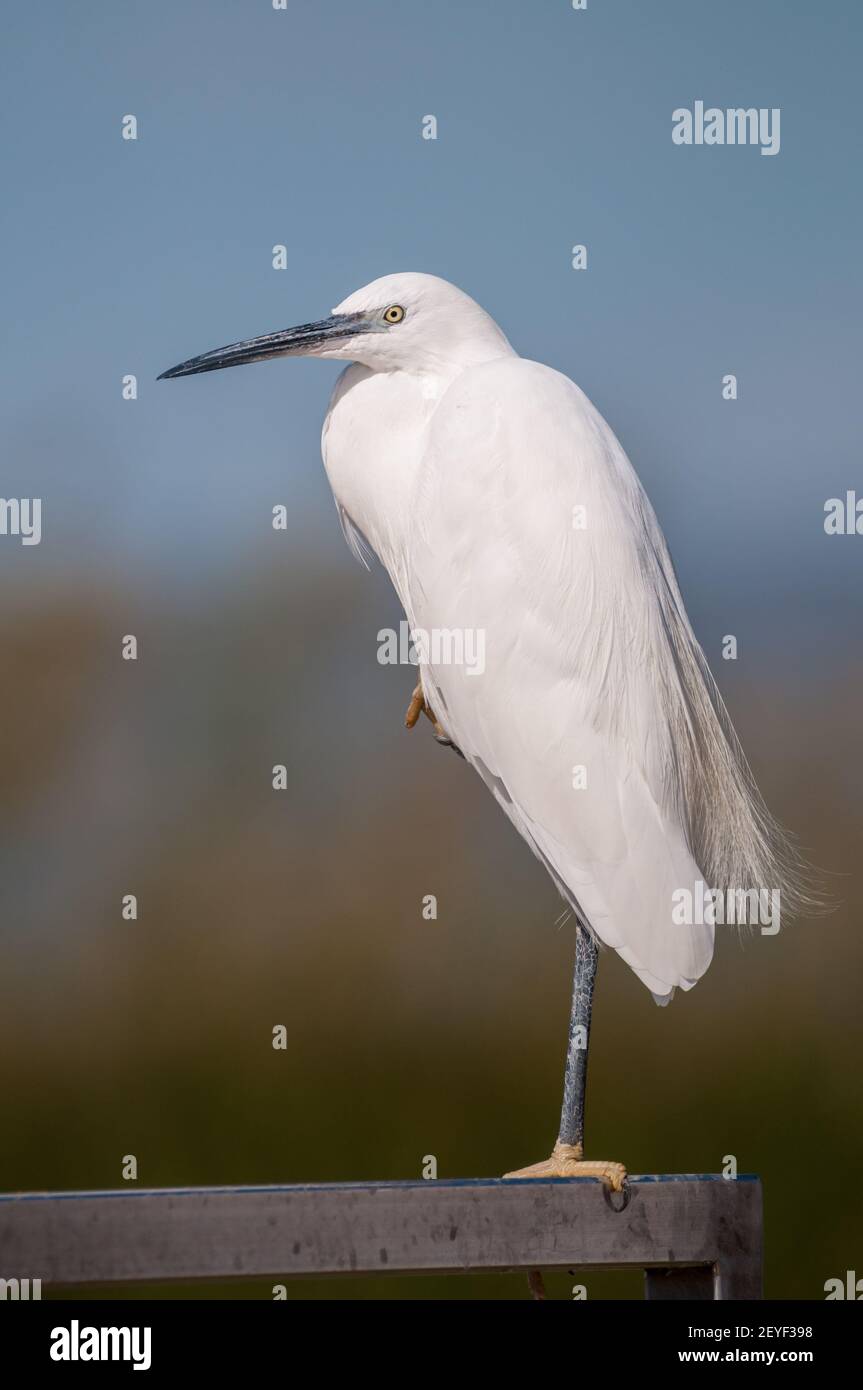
[567,1158]
[575,1075]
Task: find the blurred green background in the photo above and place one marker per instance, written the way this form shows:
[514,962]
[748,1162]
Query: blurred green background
[304,907]
[405,1037]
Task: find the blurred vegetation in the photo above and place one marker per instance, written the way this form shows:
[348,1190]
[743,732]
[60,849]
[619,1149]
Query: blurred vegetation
[405,1037]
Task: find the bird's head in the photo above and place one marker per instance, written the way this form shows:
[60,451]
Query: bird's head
[406,322]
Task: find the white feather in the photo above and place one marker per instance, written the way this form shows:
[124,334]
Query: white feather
[463,464]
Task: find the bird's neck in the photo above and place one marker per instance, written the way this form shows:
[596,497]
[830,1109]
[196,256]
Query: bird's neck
[373,443]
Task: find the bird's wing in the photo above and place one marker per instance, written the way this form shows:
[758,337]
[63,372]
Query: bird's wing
[530,546]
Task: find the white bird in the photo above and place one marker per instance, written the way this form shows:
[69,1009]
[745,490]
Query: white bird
[501,503]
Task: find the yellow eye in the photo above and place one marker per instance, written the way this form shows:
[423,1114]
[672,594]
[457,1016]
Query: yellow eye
[394,314]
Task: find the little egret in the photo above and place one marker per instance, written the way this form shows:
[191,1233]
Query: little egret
[500,502]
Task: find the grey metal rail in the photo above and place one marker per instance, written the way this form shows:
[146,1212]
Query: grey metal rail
[694,1235]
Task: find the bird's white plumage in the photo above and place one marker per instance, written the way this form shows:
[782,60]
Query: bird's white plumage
[462,465]
[570,631]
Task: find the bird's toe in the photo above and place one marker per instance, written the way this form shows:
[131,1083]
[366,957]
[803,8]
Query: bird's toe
[566,1161]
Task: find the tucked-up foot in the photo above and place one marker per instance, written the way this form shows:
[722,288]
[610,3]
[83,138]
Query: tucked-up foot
[416,707]
[566,1162]
[419,705]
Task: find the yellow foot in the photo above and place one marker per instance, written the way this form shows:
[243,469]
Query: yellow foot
[418,706]
[566,1162]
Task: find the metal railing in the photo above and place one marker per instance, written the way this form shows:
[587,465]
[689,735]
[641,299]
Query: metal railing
[694,1235]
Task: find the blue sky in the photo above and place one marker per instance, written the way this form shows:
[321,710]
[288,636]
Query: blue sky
[302,127]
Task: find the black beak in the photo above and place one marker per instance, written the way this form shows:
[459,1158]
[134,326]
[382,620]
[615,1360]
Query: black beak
[304,339]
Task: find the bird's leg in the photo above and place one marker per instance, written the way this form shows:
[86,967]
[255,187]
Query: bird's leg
[420,705]
[567,1159]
